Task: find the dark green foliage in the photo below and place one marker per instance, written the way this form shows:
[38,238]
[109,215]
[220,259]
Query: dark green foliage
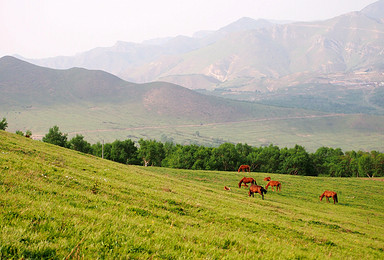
[3,124]
[55,137]
[79,144]
[151,152]
[124,152]
[18,132]
[228,157]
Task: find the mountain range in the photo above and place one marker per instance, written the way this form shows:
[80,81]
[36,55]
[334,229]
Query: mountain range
[314,83]
[101,106]
[251,57]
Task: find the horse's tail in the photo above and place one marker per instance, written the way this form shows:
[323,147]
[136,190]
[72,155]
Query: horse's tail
[279,185]
[254,182]
[335,199]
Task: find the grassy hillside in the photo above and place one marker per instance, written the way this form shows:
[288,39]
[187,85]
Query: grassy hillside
[101,106]
[57,203]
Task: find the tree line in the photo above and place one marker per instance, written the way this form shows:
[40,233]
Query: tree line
[228,156]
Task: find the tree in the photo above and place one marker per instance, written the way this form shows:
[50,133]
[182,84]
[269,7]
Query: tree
[3,124]
[296,161]
[326,162]
[124,152]
[269,159]
[225,157]
[55,137]
[379,164]
[79,144]
[365,164]
[151,151]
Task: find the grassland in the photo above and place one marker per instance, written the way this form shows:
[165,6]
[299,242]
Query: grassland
[57,203]
[109,122]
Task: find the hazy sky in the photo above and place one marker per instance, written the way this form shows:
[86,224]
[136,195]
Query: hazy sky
[45,28]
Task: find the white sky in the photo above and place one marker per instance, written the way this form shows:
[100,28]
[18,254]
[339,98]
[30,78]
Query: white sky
[46,28]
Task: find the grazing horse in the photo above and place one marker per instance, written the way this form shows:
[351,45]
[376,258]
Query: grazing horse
[246,180]
[267,178]
[272,184]
[244,168]
[328,194]
[256,189]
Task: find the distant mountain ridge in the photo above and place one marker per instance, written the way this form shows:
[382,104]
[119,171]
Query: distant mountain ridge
[258,60]
[245,53]
[102,106]
[24,85]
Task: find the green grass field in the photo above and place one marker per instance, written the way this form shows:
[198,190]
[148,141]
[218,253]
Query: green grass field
[60,204]
[108,123]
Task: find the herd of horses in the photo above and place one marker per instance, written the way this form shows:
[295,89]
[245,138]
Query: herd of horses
[254,188]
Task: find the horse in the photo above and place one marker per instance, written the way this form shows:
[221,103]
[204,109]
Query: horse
[272,184]
[328,194]
[267,178]
[247,180]
[244,168]
[256,189]
[226,188]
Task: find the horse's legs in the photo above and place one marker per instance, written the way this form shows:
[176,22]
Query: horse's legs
[327,199]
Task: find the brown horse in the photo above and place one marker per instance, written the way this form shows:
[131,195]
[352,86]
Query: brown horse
[274,184]
[246,180]
[244,168]
[329,194]
[267,178]
[256,189]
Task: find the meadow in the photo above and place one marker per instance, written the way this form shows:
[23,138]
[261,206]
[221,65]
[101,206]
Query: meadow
[57,203]
[348,132]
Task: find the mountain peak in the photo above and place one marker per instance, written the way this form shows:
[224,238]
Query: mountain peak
[375,10]
[246,23]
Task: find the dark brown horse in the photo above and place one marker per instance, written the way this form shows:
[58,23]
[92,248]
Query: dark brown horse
[329,194]
[267,178]
[244,168]
[256,189]
[246,180]
[274,184]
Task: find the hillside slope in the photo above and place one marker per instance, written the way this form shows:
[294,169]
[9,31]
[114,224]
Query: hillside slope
[58,203]
[31,89]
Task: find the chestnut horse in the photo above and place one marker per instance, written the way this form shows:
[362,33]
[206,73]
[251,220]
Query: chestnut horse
[329,194]
[244,168]
[246,180]
[267,178]
[274,184]
[256,189]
